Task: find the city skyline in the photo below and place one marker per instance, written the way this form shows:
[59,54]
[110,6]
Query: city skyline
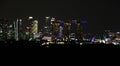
[92,28]
[54,30]
[100,15]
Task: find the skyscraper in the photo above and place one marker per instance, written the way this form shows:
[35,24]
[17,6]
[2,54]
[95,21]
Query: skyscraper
[66,30]
[34,27]
[16,28]
[47,27]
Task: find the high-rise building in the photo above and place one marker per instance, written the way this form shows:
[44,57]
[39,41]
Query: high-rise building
[34,27]
[55,28]
[47,27]
[60,34]
[78,31]
[16,28]
[4,29]
[66,31]
[21,30]
[10,32]
[75,30]
[1,30]
[29,34]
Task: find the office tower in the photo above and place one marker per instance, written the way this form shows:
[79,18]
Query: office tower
[55,28]
[79,31]
[29,34]
[16,27]
[47,27]
[66,31]
[5,30]
[10,32]
[75,30]
[2,30]
[84,25]
[34,27]
[60,30]
[21,30]
[47,21]
[73,26]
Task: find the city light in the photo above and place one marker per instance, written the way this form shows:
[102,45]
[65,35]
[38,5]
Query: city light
[55,30]
[20,20]
[27,27]
[47,17]
[30,17]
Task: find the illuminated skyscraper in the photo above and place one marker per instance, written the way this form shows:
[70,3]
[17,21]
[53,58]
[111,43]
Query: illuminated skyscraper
[28,27]
[55,26]
[10,32]
[47,27]
[21,29]
[34,27]
[60,35]
[75,30]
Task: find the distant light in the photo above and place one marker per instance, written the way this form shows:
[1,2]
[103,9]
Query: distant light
[107,39]
[27,33]
[27,27]
[36,21]
[76,39]
[30,17]
[118,32]
[45,27]
[1,31]
[20,20]
[30,39]
[116,43]
[53,19]
[51,23]
[49,40]
[10,26]
[47,46]
[50,33]
[47,17]
[43,44]
[103,41]
[81,43]
[110,35]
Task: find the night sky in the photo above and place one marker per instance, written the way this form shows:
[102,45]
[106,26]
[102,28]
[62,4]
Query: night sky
[99,14]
